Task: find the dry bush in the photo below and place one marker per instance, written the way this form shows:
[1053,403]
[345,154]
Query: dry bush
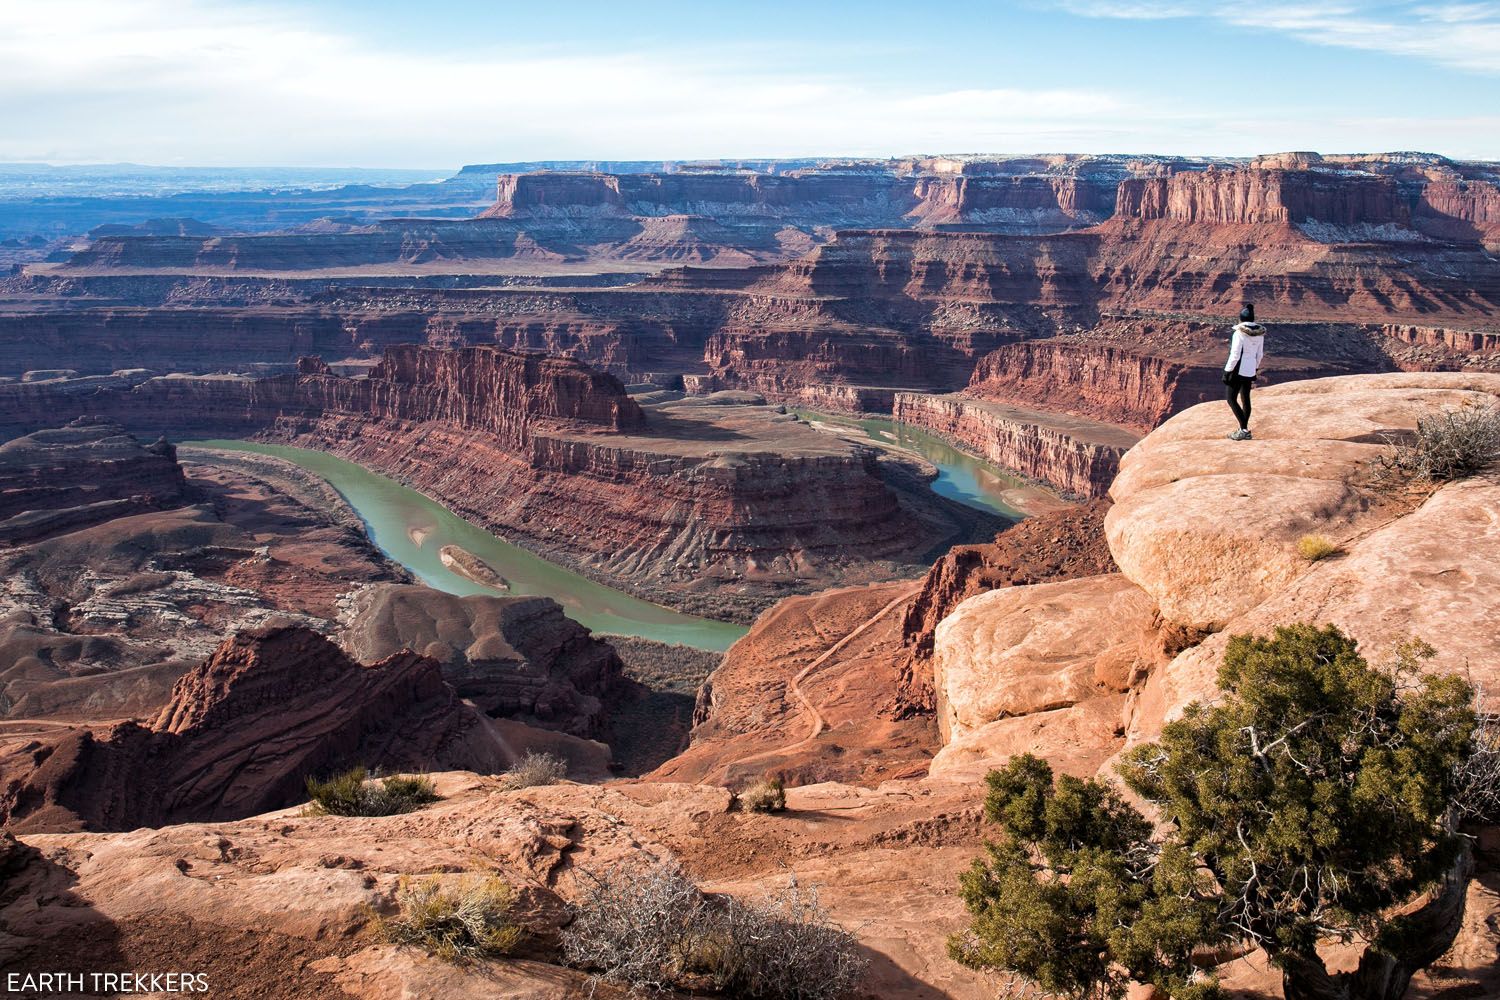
[353,793]
[785,946]
[1448,445]
[638,927]
[650,928]
[461,921]
[767,795]
[1478,778]
[535,769]
[1316,547]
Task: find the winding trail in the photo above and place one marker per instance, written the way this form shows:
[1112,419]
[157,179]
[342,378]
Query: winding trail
[794,686]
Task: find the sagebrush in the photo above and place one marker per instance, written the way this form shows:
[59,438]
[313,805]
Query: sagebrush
[458,920]
[1448,445]
[355,792]
[535,769]
[649,928]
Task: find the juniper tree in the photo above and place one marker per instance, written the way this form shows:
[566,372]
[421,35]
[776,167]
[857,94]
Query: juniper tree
[1310,803]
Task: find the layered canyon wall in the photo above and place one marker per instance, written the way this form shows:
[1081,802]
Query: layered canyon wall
[717,507]
[986,277]
[1074,456]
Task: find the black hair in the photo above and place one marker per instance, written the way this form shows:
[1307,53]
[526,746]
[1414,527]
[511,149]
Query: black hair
[1247,314]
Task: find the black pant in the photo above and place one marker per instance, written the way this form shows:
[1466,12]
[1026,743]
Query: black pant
[1238,393]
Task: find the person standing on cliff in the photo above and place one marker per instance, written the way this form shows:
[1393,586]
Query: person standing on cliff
[1247,349]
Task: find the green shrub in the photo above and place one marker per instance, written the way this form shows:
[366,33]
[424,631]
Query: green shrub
[355,793]
[459,921]
[1316,547]
[767,796]
[535,769]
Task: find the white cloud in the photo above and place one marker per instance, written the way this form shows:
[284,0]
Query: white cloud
[209,82]
[1461,35]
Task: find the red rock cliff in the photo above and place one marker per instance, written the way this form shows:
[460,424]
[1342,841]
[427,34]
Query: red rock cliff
[1077,457]
[1258,196]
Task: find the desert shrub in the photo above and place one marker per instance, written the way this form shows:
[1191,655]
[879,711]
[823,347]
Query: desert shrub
[1448,445]
[458,921]
[649,928]
[356,793]
[535,769]
[767,795]
[1316,547]
[785,946]
[639,926]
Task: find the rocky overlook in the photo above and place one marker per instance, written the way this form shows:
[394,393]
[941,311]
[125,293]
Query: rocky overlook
[1205,537]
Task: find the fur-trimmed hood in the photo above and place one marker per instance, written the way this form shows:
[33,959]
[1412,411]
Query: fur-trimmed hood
[1250,329]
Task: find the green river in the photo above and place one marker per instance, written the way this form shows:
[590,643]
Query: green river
[396,517]
[410,528]
[961,476]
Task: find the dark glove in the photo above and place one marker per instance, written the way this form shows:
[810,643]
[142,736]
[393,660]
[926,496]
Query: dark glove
[1228,377]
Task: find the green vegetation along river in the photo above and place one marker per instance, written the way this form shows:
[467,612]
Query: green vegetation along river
[412,529]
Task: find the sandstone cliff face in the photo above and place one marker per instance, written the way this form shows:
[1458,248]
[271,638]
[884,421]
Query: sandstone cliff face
[484,389]
[1055,546]
[477,388]
[242,731]
[1460,209]
[1129,386]
[1260,196]
[1073,456]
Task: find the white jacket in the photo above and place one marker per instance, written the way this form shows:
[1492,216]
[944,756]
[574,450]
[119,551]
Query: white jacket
[1247,348]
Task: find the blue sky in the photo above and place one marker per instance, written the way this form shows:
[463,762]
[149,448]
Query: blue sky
[438,84]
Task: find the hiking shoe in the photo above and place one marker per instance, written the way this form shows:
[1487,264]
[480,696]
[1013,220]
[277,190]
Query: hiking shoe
[1237,435]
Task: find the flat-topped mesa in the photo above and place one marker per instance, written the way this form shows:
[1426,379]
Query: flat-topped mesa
[559,190]
[502,393]
[1260,196]
[87,472]
[1026,198]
